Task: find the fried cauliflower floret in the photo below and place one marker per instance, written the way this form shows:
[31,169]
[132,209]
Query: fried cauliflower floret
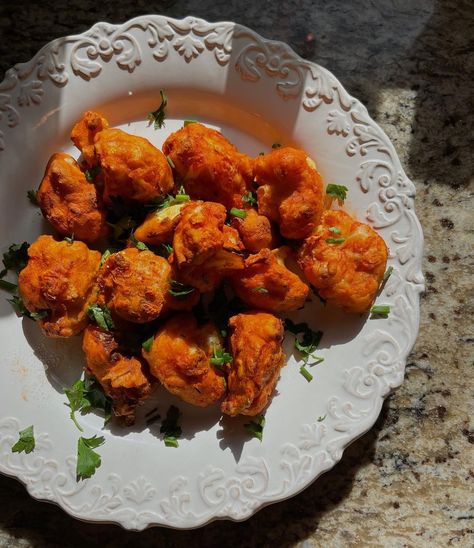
[346,266]
[268,284]
[134,284]
[256,346]
[131,167]
[232,241]
[180,358]
[84,132]
[122,378]
[203,250]
[210,167]
[59,279]
[290,191]
[199,233]
[255,231]
[69,202]
[159,226]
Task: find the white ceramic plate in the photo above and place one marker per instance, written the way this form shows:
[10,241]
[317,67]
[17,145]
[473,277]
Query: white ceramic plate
[257,92]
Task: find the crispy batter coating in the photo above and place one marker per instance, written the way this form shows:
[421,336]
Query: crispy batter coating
[266,283]
[203,247]
[60,279]
[69,202]
[256,344]
[131,167]
[123,378]
[134,284]
[255,231]
[199,233]
[159,226]
[179,358]
[84,132]
[210,167]
[346,274]
[232,241]
[290,191]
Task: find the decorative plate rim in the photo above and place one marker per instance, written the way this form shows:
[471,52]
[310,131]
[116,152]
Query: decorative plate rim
[43,477]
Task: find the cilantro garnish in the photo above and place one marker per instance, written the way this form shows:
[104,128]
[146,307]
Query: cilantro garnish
[170,427]
[157,117]
[101,315]
[178,289]
[335,240]
[87,459]
[259,290]
[85,396]
[255,427]
[26,441]
[8,286]
[148,344]
[387,274]
[235,212]
[379,311]
[306,374]
[220,358]
[337,191]
[334,230]
[320,419]
[16,257]
[306,346]
[33,197]
[250,198]
[139,245]
[92,173]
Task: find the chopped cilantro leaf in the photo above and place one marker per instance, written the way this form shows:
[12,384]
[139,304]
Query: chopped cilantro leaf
[379,311]
[259,290]
[85,396]
[250,198]
[309,342]
[16,257]
[220,358]
[387,274]
[337,191]
[139,245]
[157,117]
[235,212]
[87,459]
[26,441]
[170,427]
[178,289]
[92,173]
[255,427]
[306,374]
[148,344]
[33,197]
[101,316]
[8,286]
[335,240]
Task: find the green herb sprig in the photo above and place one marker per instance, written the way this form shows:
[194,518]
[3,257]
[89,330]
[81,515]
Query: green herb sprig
[26,441]
[255,427]
[339,192]
[87,459]
[157,117]
[177,289]
[379,311]
[101,316]
[171,428]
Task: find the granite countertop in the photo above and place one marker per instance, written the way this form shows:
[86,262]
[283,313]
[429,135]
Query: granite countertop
[408,482]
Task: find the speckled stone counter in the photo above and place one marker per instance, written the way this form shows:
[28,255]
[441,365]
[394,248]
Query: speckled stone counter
[409,481]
